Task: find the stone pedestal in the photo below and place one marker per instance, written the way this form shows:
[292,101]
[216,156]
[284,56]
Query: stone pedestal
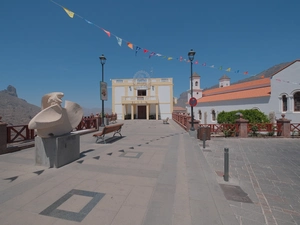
[57,151]
[284,127]
[243,127]
[3,137]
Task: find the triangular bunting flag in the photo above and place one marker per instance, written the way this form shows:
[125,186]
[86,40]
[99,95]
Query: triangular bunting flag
[228,70]
[70,13]
[203,64]
[152,54]
[170,58]
[130,45]
[107,32]
[221,67]
[196,62]
[137,48]
[119,40]
[145,50]
[180,58]
[246,72]
[158,55]
[212,66]
[237,71]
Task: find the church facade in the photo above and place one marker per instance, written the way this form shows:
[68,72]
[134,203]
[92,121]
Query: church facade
[274,95]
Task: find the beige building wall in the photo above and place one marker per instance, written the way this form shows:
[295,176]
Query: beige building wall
[151,100]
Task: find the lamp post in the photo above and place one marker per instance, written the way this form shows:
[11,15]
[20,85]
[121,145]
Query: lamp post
[191,55]
[102,60]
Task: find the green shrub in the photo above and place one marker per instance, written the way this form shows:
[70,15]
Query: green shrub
[254,116]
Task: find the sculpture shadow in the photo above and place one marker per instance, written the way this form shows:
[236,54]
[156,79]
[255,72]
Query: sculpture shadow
[83,154]
[111,140]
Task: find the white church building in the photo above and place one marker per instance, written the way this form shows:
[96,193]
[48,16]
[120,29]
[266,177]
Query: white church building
[273,93]
[142,98]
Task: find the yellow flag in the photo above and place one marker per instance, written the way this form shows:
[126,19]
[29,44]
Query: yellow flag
[170,58]
[228,69]
[70,13]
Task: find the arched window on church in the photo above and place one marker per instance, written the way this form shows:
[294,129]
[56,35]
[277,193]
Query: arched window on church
[200,115]
[196,83]
[213,115]
[297,102]
[284,103]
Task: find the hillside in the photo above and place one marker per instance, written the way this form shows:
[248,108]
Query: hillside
[14,110]
[17,111]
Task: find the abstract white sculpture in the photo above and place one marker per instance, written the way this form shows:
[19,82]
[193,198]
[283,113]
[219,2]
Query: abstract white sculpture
[54,120]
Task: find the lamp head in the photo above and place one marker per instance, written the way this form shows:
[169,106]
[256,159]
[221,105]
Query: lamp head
[102,59]
[191,55]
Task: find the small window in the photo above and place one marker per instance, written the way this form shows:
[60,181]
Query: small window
[284,103]
[297,102]
[141,93]
[213,115]
[196,83]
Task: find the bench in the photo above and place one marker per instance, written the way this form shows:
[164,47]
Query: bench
[166,120]
[116,128]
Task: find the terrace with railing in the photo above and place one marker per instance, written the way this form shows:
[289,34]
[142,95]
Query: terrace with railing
[282,128]
[15,137]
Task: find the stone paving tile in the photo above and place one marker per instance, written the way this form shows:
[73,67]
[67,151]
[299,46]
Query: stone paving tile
[273,163]
[129,215]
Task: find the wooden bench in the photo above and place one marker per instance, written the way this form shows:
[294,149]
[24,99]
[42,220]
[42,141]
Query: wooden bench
[166,120]
[116,128]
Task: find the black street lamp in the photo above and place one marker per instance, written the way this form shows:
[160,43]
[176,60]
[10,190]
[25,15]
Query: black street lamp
[102,60]
[191,55]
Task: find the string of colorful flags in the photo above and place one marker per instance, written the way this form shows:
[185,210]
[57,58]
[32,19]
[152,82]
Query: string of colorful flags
[137,48]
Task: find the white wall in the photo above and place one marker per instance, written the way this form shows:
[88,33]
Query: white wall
[119,92]
[288,83]
[281,86]
[164,94]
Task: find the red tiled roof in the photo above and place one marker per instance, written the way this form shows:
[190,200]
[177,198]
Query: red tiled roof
[242,94]
[238,87]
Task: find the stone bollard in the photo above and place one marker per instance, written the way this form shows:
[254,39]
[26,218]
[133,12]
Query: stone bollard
[284,127]
[3,137]
[243,126]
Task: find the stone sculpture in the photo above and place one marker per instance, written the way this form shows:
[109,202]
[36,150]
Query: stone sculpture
[54,120]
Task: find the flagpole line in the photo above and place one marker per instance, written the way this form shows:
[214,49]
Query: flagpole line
[169,58]
[105,29]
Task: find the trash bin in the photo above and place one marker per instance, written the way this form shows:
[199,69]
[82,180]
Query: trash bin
[203,130]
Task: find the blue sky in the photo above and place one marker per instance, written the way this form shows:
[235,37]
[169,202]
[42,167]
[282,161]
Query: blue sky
[43,50]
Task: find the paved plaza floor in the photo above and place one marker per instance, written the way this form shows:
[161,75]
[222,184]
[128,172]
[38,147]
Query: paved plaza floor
[156,174]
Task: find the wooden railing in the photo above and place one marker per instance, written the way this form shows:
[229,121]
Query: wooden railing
[182,120]
[19,133]
[87,122]
[295,128]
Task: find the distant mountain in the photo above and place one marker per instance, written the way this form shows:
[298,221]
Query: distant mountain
[14,110]
[182,100]
[17,111]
